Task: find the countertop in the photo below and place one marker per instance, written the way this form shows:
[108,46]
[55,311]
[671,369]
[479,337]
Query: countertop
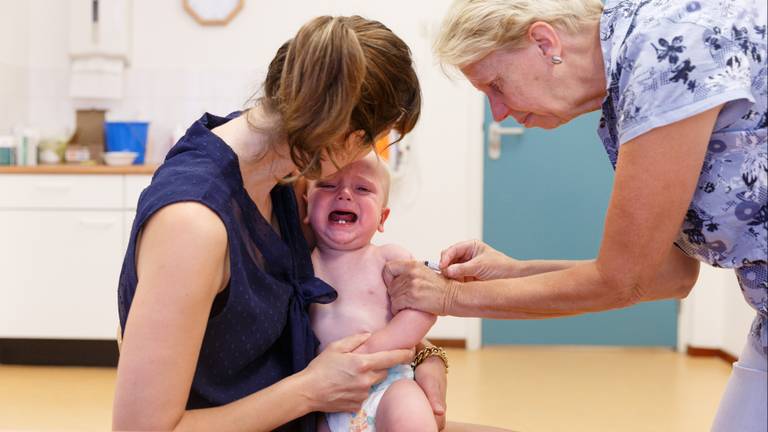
[78,169]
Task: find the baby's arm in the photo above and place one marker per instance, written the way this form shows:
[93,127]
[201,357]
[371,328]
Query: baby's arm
[406,329]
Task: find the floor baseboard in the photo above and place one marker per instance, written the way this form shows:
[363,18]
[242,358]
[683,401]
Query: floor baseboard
[449,343]
[104,353]
[710,352]
[59,352]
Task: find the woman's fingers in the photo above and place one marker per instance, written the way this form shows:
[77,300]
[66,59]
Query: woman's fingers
[475,260]
[349,343]
[339,380]
[384,360]
[461,271]
[375,377]
[459,252]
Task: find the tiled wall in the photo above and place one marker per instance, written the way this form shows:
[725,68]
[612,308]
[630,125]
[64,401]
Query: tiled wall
[13,100]
[13,62]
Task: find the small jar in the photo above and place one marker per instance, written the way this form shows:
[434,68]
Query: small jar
[7,150]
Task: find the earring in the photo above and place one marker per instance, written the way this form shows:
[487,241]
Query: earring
[556,59]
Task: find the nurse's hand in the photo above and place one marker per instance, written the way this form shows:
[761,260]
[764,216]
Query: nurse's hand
[475,260]
[412,285]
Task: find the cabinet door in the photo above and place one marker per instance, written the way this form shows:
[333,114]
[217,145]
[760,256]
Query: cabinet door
[59,272]
[55,192]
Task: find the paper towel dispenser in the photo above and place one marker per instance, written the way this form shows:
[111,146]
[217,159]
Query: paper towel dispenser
[100,41]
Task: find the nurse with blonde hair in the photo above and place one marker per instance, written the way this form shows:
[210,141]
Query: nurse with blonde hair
[682,89]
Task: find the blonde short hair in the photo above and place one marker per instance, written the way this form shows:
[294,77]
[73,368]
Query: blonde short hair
[472,29]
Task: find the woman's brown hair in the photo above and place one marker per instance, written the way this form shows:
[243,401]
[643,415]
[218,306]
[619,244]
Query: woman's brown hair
[336,76]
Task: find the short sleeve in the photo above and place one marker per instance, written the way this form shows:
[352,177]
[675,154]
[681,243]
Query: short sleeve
[675,70]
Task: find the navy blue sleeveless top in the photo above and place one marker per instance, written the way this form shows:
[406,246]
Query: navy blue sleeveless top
[258,331]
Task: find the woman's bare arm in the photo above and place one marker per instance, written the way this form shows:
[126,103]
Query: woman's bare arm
[181,267]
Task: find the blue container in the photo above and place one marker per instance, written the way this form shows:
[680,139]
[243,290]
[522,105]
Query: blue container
[127,136]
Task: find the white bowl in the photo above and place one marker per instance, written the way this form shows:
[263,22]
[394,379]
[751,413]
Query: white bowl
[120,158]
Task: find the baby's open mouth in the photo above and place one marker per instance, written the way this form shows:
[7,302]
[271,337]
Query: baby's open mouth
[342,217]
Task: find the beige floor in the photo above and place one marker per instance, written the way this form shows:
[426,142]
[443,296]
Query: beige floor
[521,388]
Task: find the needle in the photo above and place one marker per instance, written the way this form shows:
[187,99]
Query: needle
[432,265]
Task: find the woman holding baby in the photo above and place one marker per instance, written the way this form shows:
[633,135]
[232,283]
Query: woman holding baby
[217,281]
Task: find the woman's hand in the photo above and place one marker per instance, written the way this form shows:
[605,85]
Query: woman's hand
[475,260]
[430,375]
[338,380]
[412,285]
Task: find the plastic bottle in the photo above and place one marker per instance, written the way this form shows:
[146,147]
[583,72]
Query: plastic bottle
[27,142]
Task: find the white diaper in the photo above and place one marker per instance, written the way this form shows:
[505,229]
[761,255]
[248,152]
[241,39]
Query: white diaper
[365,419]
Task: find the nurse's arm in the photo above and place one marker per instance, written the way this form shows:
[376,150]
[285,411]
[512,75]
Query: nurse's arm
[656,176]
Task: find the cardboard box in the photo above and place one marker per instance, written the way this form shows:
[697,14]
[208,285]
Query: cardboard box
[89,132]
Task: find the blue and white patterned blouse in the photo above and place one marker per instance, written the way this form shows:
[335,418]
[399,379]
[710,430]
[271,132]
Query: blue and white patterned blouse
[667,60]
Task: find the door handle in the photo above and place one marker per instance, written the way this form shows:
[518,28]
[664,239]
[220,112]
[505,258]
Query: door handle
[495,131]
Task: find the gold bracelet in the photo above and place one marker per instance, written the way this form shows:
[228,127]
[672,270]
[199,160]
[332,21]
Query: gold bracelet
[427,352]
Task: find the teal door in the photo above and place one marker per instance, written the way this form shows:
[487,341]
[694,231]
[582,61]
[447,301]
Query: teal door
[545,198]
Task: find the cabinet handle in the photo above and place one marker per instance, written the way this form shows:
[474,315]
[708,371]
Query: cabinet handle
[95,223]
[52,187]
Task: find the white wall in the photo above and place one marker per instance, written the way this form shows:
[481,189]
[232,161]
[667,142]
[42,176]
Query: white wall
[14,60]
[715,314]
[50,109]
[179,69]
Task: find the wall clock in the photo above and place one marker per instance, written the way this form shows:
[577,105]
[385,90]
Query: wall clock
[213,12]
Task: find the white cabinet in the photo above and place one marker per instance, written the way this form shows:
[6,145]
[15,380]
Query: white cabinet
[59,277]
[61,249]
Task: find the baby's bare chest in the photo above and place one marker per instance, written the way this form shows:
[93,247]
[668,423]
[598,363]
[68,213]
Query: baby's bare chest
[362,304]
[359,285]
